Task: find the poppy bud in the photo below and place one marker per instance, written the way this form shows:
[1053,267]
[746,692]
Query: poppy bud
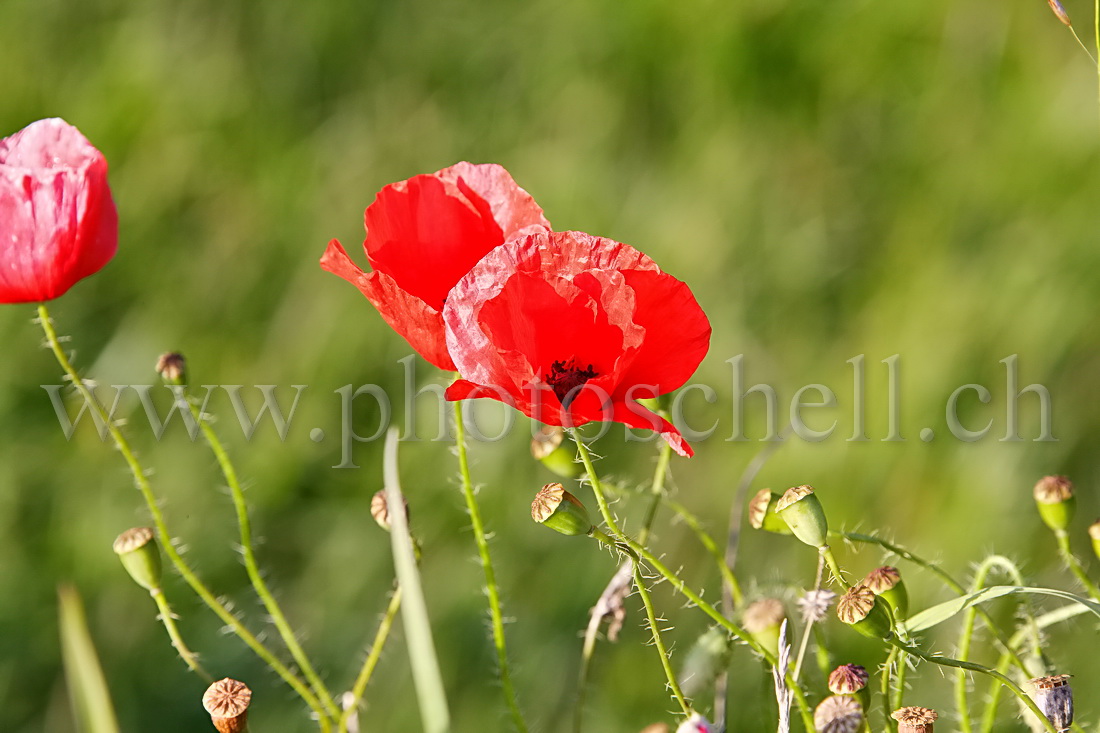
[137,548]
[704,661]
[1094,535]
[380,510]
[560,511]
[865,612]
[838,714]
[886,582]
[1054,697]
[547,447]
[762,512]
[1056,502]
[227,702]
[802,511]
[172,368]
[762,619]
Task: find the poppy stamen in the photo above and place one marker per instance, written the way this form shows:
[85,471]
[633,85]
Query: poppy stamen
[566,379]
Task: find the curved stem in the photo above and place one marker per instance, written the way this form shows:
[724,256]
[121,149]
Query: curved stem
[141,480]
[834,568]
[373,656]
[889,723]
[681,586]
[651,614]
[1074,565]
[253,570]
[491,590]
[950,582]
[960,664]
[711,546]
[169,620]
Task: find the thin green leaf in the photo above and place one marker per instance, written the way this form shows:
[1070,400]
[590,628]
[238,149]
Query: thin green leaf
[939,613]
[88,691]
[414,611]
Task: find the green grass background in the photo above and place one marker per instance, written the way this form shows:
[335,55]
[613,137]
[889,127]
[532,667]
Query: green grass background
[839,178]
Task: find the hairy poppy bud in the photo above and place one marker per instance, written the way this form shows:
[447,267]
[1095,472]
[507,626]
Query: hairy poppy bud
[886,583]
[802,511]
[838,714]
[138,551]
[227,702]
[705,661]
[172,368]
[865,612]
[1054,697]
[547,447]
[762,619]
[915,719]
[560,511]
[762,512]
[1055,501]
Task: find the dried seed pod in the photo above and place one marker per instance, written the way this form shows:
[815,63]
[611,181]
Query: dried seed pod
[561,511]
[865,612]
[915,719]
[838,714]
[1054,697]
[886,582]
[227,702]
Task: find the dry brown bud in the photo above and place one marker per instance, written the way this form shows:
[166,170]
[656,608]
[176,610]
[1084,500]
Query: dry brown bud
[915,719]
[380,510]
[763,614]
[855,604]
[838,714]
[172,367]
[882,579]
[848,679]
[1053,489]
[227,702]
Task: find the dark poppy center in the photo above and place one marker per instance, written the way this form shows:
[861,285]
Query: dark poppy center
[566,377]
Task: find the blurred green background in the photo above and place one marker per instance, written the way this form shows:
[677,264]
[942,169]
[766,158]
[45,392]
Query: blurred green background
[831,178]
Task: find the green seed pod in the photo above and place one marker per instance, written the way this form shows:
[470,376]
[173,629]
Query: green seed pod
[865,612]
[1094,535]
[763,619]
[559,510]
[1055,501]
[137,548]
[802,511]
[762,513]
[886,583]
[549,449]
[706,659]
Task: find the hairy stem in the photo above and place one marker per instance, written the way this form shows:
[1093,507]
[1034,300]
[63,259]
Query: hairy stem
[491,590]
[373,656]
[169,620]
[141,480]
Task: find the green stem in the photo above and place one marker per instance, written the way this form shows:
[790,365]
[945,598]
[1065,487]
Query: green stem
[680,586]
[169,620]
[889,723]
[711,546]
[996,674]
[373,656]
[253,570]
[491,590]
[1074,565]
[141,480]
[950,582]
[651,614]
[834,568]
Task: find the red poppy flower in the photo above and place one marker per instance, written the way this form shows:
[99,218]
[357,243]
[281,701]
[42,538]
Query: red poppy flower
[424,234]
[570,328]
[58,223]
